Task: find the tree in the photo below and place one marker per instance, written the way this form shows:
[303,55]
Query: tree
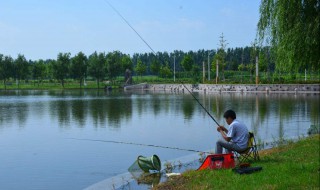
[292,29]
[79,64]
[221,54]
[196,73]
[126,63]
[155,66]
[21,68]
[61,67]
[141,68]
[253,53]
[39,70]
[6,69]
[113,65]
[187,63]
[97,66]
[165,71]
[263,62]
[241,68]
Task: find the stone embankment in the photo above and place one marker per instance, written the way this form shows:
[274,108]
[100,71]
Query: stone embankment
[213,88]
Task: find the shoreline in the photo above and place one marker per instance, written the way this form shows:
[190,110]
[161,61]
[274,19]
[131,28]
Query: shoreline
[200,88]
[280,167]
[243,88]
[127,180]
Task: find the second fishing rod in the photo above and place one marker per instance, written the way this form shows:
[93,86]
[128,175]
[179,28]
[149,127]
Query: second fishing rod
[159,58]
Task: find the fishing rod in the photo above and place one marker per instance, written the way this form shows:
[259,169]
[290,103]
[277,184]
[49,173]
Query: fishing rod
[125,20]
[139,144]
[200,103]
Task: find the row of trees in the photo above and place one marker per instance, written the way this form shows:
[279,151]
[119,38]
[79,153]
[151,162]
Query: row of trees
[108,66]
[98,65]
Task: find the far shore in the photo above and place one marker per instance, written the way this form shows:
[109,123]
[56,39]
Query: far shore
[179,88]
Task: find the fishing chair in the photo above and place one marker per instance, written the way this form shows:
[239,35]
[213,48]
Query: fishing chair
[251,153]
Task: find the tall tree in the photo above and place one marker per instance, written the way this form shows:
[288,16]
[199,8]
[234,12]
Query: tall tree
[79,64]
[187,62]
[155,66]
[97,64]
[61,67]
[165,71]
[6,69]
[292,29]
[221,54]
[39,70]
[126,63]
[21,68]
[141,68]
[113,65]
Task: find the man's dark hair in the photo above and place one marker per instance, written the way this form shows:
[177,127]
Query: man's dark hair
[230,113]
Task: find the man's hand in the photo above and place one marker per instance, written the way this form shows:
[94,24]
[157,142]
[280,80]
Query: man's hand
[220,128]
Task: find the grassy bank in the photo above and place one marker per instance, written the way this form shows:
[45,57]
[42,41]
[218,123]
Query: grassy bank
[291,166]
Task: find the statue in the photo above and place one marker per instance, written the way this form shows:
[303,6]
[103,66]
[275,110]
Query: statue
[128,77]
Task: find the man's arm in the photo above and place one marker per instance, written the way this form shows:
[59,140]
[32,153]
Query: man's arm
[223,128]
[223,132]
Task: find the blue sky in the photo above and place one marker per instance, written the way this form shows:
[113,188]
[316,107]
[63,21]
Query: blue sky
[40,29]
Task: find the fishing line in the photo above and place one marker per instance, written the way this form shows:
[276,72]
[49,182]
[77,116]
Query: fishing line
[158,57]
[139,144]
[125,20]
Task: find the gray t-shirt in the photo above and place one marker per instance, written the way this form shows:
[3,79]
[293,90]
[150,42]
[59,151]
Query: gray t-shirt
[238,133]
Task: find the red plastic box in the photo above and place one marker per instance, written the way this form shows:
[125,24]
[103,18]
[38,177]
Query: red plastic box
[218,161]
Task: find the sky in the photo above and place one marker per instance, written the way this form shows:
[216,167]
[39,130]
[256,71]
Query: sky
[40,29]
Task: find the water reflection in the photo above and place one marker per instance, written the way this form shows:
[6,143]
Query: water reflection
[109,109]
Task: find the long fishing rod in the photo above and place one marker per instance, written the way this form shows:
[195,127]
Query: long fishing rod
[139,144]
[200,104]
[125,20]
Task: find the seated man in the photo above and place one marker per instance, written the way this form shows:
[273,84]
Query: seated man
[234,139]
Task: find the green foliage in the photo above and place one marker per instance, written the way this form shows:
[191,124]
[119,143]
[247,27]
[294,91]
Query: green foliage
[21,67]
[196,74]
[79,64]
[61,67]
[165,71]
[126,63]
[113,65]
[39,70]
[187,63]
[141,68]
[292,29]
[221,55]
[97,66]
[6,69]
[155,67]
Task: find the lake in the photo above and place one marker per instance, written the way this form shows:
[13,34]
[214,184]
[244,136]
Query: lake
[59,139]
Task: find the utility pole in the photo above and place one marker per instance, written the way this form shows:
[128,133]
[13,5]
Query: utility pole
[203,72]
[305,74]
[217,75]
[208,65]
[257,71]
[174,68]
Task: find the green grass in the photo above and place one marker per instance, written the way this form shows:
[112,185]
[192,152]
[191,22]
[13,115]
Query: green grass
[292,166]
[55,85]
[231,77]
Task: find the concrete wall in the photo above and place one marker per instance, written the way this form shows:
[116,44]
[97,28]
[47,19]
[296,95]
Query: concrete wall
[208,88]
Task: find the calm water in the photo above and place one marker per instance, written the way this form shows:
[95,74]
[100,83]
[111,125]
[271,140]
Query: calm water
[37,130]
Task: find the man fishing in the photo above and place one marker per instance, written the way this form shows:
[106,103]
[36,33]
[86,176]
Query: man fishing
[235,138]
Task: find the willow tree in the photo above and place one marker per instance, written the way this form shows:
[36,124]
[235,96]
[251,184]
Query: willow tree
[291,27]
